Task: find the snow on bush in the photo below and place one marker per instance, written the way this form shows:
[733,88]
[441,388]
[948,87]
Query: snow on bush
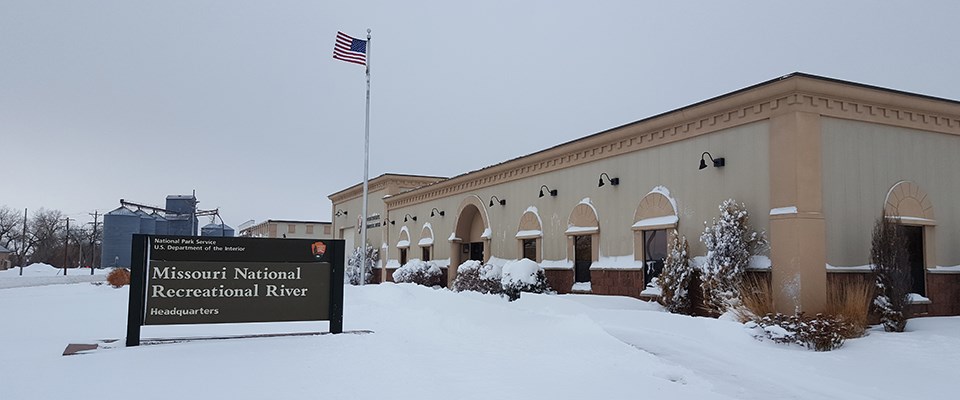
[353,270]
[675,279]
[523,275]
[473,276]
[730,242]
[419,272]
[820,333]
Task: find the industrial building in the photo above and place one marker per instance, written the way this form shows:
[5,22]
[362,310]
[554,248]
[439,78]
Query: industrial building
[178,217]
[816,161]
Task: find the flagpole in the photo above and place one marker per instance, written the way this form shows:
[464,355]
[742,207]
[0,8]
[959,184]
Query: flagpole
[366,174]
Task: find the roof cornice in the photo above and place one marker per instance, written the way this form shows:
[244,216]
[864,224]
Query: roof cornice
[790,93]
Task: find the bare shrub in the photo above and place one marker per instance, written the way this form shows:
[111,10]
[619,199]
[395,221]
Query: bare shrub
[850,302]
[119,277]
[820,333]
[891,264]
[756,298]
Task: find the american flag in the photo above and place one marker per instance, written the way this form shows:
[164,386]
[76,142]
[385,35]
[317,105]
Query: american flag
[350,50]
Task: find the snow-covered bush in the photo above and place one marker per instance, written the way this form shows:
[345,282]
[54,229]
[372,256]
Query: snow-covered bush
[730,242]
[353,270]
[419,272]
[523,275]
[891,264]
[119,277]
[820,333]
[675,279]
[473,276]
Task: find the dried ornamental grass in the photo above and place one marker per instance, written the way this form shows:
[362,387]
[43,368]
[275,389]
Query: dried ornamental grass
[850,303]
[119,277]
[756,298]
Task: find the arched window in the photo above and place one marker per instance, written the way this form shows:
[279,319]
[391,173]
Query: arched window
[530,235]
[403,244]
[426,242]
[583,243]
[654,220]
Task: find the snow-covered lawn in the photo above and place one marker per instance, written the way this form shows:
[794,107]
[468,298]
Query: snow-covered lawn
[436,344]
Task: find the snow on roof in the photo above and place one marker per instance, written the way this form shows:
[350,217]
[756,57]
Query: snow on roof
[453,237]
[582,229]
[487,234]
[427,241]
[656,221]
[759,263]
[529,234]
[783,210]
[945,270]
[556,264]
[403,243]
[854,268]
[4,250]
[626,262]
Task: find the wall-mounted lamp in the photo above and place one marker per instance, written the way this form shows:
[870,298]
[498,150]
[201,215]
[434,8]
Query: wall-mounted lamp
[502,202]
[717,162]
[613,181]
[393,222]
[434,213]
[552,192]
[341,213]
[409,217]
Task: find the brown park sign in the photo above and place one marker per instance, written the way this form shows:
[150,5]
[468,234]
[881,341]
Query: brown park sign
[204,280]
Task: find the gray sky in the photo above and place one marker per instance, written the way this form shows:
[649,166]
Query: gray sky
[242,100]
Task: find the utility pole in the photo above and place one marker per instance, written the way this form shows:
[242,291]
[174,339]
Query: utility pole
[93,242]
[66,246]
[23,243]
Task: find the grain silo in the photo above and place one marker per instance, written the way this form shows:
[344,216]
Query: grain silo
[118,228]
[161,223]
[212,229]
[148,225]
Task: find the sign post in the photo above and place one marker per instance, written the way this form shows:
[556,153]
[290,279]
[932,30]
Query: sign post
[204,280]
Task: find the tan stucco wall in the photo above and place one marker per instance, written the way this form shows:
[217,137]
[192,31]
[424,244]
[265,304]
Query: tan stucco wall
[348,223]
[865,160]
[674,165]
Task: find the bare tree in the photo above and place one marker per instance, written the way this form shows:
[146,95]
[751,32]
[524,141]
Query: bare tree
[45,237]
[891,264]
[9,222]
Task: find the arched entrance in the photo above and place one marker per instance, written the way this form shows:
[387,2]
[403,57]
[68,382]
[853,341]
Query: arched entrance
[911,207]
[471,237]
[583,244]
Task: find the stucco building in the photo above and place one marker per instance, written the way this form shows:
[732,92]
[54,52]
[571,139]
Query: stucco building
[281,228]
[815,160]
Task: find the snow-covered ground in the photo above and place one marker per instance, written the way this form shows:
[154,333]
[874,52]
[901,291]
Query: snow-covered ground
[45,274]
[436,344]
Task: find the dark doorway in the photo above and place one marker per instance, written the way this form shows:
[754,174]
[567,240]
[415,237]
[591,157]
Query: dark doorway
[582,257]
[403,257]
[474,250]
[654,254]
[914,238]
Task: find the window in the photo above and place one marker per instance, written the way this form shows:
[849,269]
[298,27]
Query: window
[654,253]
[426,253]
[326,229]
[291,228]
[403,257]
[530,249]
[309,229]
